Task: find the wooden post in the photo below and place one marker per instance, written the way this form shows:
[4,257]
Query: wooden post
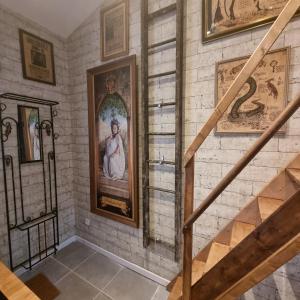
[188,233]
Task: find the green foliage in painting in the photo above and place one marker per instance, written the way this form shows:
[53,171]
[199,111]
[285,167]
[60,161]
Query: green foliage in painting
[112,102]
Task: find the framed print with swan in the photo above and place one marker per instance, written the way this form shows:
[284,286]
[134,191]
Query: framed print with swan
[113,147]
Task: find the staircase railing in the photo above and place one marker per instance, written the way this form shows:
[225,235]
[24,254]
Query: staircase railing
[191,216]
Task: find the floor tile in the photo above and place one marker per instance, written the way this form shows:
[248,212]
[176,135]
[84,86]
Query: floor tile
[74,254]
[128,285]
[52,269]
[72,287]
[161,294]
[102,297]
[98,269]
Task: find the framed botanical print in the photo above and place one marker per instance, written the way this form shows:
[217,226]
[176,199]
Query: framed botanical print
[114,31]
[225,17]
[113,144]
[262,98]
[37,58]
[29,134]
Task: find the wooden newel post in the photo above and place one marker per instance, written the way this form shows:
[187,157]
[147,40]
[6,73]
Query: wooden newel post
[188,232]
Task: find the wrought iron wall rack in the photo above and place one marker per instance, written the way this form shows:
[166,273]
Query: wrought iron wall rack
[45,222]
[178,9]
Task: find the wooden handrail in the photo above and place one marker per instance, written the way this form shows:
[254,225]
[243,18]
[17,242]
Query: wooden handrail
[283,19]
[243,162]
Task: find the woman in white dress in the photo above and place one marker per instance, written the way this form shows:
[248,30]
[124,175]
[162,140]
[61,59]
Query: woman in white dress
[114,158]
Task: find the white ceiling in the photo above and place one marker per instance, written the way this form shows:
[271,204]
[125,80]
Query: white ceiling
[61,17]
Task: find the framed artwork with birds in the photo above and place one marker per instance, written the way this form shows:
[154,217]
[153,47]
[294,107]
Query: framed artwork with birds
[226,17]
[262,98]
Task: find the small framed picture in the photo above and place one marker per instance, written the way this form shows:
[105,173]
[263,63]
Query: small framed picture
[114,31]
[29,134]
[37,58]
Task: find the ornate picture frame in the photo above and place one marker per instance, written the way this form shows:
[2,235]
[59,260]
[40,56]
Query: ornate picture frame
[113,140]
[261,100]
[221,18]
[37,58]
[115,31]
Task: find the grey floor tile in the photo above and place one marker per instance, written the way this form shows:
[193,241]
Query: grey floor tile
[161,294]
[128,285]
[98,269]
[74,254]
[102,297]
[72,287]
[50,268]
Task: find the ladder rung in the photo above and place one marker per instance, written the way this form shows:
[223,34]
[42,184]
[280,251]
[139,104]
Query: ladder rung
[161,162]
[161,190]
[162,74]
[159,105]
[161,133]
[162,11]
[162,43]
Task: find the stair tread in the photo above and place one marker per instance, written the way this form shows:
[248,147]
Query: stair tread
[240,230]
[267,206]
[217,252]
[295,175]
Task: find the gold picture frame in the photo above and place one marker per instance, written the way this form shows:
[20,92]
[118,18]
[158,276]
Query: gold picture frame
[115,31]
[37,58]
[222,18]
[262,98]
[113,141]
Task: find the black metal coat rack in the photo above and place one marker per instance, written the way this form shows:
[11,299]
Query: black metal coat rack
[40,229]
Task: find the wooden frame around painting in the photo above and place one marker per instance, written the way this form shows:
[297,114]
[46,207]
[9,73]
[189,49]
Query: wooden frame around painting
[262,98]
[113,143]
[37,58]
[222,18]
[29,134]
[114,31]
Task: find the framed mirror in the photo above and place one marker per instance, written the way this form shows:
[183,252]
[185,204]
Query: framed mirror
[29,134]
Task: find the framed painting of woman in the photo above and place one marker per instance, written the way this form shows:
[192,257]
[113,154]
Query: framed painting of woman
[113,147]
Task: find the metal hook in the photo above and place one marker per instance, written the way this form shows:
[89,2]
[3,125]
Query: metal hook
[54,113]
[56,136]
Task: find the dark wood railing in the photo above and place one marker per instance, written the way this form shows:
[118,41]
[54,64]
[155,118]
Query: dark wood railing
[190,216]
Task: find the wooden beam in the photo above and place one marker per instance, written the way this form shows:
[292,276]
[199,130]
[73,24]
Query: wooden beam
[283,19]
[266,268]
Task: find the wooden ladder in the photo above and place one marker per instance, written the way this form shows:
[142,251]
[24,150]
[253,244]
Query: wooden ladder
[190,216]
[177,103]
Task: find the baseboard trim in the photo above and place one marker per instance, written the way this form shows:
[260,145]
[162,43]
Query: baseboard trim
[125,263]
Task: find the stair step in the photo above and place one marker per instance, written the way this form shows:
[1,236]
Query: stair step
[197,270]
[240,230]
[176,290]
[217,252]
[267,206]
[250,214]
[294,175]
[281,187]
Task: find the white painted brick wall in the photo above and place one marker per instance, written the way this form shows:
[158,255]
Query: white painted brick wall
[217,156]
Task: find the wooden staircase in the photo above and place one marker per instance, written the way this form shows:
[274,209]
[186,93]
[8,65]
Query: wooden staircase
[265,234]
[247,249]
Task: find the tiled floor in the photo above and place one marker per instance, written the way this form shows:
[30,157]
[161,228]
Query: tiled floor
[81,273]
